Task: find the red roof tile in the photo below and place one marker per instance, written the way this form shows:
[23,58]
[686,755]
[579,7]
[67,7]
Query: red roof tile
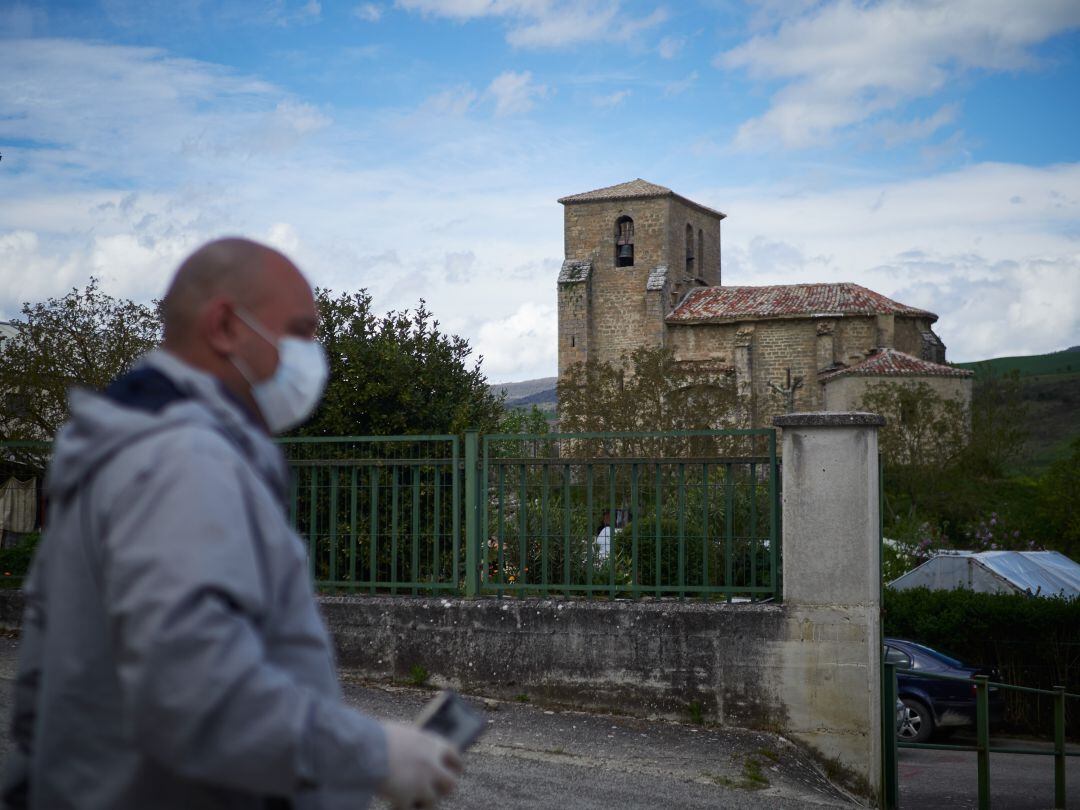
[787,301]
[894,363]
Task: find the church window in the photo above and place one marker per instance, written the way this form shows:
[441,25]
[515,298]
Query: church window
[624,242]
[689,250]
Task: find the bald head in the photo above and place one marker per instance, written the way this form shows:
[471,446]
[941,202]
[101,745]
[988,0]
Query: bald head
[237,268]
[220,280]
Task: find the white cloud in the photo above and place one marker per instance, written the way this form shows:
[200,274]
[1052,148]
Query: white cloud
[368,12]
[520,346]
[281,14]
[284,237]
[894,132]
[119,111]
[1004,276]
[546,23]
[670,47]
[453,101]
[680,86]
[843,62]
[515,93]
[612,99]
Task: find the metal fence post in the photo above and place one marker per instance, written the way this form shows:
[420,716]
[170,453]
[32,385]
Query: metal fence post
[472,525]
[1059,747]
[982,731]
[890,799]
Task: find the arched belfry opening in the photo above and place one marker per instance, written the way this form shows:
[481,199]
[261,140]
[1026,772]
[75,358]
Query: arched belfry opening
[689,250]
[624,242]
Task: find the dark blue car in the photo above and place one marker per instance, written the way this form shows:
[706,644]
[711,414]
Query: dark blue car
[932,705]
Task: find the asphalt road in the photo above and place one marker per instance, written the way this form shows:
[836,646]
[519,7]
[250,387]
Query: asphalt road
[931,779]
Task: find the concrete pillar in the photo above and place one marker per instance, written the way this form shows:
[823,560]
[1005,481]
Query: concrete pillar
[832,587]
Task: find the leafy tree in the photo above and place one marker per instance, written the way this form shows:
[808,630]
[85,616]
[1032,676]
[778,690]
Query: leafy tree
[1058,503]
[922,428]
[518,420]
[998,424]
[396,374]
[86,338]
[648,390]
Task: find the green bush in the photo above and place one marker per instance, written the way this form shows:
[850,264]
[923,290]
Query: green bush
[1033,642]
[15,561]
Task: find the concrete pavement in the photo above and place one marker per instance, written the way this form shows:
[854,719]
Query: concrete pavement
[532,757]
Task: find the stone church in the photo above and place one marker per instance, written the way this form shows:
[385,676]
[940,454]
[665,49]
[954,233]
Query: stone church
[643,269]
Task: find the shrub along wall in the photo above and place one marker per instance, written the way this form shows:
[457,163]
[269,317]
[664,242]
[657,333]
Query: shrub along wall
[1031,641]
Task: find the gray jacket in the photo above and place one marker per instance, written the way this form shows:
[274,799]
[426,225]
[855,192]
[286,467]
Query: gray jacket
[172,655]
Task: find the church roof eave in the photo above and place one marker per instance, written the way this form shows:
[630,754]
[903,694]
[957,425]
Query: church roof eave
[787,301]
[888,362]
[637,189]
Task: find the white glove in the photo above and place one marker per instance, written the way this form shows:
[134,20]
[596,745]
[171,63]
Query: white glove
[421,767]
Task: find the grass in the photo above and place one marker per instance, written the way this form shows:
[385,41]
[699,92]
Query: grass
[751,777]
[418,676]
[768,754]
[752,773]
[522,698]
[696,712]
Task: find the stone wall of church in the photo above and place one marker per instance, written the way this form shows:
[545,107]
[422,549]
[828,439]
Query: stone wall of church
[857,336]
[845,393]
[706,265]
[618,316]
[909,335]
[805,345]
[573,341]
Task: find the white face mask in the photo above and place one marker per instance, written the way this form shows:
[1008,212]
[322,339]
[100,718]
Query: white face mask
[289,396]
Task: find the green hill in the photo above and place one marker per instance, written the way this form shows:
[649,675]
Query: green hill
[1050,386]
[1034,365]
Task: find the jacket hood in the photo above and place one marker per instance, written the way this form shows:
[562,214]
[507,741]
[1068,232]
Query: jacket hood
[99,427]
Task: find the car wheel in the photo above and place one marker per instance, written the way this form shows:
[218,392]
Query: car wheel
[918,723]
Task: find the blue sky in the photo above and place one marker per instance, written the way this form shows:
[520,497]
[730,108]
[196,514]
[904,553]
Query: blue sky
[925,149]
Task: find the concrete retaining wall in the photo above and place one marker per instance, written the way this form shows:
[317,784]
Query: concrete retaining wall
[756,666]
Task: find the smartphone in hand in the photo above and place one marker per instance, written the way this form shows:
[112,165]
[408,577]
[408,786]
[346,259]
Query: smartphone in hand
[453,719]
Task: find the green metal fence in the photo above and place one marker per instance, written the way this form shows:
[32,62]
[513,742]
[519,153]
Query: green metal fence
[686,514]
[379,513]
[982,748]
[676,514]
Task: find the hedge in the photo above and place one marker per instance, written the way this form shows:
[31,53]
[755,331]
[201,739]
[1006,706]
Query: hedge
[1031,641]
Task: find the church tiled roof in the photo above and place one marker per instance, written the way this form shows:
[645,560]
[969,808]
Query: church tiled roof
[895,363]
[634,190]
[787,301]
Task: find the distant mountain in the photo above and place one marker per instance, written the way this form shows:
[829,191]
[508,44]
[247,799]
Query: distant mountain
[528,392]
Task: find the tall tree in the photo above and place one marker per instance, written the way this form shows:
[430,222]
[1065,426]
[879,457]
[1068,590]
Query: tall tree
[998,424]
[648,391]
[396,374]
[86,338]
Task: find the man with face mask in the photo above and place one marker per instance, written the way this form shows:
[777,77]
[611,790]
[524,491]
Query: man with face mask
[172,654]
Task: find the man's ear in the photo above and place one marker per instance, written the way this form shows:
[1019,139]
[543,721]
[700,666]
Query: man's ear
[218,324]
